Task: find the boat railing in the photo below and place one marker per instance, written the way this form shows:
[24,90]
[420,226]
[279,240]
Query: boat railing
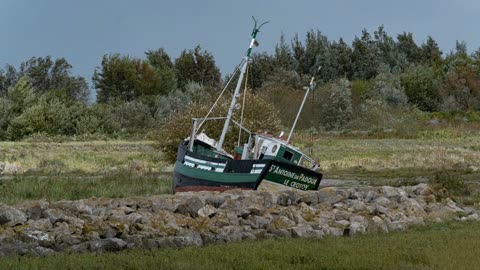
[311,161]
[203,119]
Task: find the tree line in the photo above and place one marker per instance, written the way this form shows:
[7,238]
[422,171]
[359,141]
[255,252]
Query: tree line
[375,81]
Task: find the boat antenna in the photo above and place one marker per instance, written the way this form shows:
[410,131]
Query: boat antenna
[236,94]
[310,86]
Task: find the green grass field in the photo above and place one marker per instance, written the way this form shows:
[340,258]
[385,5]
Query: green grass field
[438,246]
[75,170]
[55,188]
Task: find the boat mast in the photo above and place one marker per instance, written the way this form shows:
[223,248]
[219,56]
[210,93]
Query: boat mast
[236,94]
[309,87]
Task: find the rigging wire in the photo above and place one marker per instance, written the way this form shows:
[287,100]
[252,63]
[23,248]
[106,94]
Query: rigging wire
[219,96]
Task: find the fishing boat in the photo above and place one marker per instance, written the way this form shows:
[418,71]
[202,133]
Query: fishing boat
[262,162]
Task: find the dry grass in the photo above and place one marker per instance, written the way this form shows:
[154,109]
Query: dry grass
[409,160]
[81,157]
[377,154]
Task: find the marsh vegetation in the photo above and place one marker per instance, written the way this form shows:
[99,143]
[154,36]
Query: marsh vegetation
[437,246]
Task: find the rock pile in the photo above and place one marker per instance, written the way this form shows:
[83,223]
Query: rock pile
[99,224]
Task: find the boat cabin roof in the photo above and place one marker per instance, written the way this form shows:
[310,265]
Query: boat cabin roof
[268,146]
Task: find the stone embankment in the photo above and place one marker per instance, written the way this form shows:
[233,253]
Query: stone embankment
[99,224]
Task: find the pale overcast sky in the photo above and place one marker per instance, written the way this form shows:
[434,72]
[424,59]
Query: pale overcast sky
[84,30]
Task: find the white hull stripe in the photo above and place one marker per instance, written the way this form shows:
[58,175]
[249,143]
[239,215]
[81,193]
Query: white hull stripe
[189,164]
[204,161]
[207,168]
[217,167]
[204,167]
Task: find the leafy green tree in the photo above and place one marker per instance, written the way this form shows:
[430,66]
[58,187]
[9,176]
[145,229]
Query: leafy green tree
[46,74]
[461,50]
[283,56]
[298,53]
[476,59]
[116,79]
[307,57]
[430,52]
[125,79]
[160,60]
[198,66]
[406,45]
[388,52]
[421,86]
[8,78]
[149,82]
[261,68]
[337,62]
[365,57]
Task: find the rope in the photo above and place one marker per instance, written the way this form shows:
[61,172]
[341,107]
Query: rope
[221,93]
[243,106]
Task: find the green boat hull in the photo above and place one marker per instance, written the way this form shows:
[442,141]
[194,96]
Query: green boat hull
[194,172]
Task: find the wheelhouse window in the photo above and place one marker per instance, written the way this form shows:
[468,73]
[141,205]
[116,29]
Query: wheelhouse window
[288,155]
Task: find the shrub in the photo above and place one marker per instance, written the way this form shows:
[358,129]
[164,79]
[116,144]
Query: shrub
[50,116]
[133,116]
[375,114]
[447,185]
[361,91]
[21,96]
[461,88]
[336,110]
[287,99]
[5,116]
[387,86]
[179,101]
[98,119]
[421,87]
[258,116]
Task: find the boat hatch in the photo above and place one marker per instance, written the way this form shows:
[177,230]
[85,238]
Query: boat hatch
[288,154]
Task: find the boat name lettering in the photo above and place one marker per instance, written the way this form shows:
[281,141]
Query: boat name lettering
[299,177]
[299,185]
